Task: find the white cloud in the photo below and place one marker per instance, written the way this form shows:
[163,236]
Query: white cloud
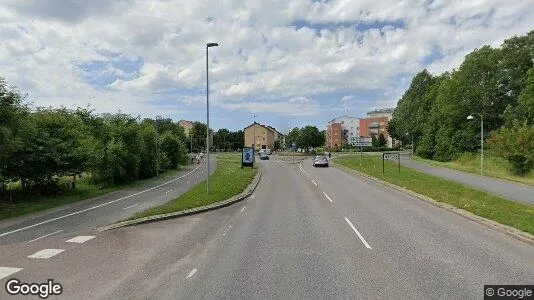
[265,54]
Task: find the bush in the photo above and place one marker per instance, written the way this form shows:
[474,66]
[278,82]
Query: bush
[516,145]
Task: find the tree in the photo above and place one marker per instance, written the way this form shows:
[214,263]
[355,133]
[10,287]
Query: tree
[222,139]
[173,150]
[310,137]
[381,140]
[293,137]
[524,111]
[198,134]
[515,144]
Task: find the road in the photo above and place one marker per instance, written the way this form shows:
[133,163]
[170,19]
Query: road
[102,210]
[304,233]
[507,189]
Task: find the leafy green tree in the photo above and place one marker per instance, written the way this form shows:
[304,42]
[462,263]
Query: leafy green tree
[293,137]
[310,137]
[381,140]
[173,149]
[222,139]
[524,111]
[515,144]
[148,157]
[198,134]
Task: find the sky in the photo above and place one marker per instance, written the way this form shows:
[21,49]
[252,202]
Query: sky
[290,63]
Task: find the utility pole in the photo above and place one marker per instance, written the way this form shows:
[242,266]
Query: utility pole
[208,45]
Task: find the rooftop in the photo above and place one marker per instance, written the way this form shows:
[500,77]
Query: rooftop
[382,110]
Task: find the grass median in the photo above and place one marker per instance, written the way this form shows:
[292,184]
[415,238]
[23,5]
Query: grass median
[478,202]
[227,181]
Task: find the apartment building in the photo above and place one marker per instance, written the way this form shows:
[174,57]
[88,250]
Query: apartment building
[341,130]
[377,123]
[265,136]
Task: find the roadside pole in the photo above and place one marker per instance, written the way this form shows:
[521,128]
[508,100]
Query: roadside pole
[398,160]
[383,170]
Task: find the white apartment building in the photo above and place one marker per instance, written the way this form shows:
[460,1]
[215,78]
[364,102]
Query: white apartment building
[349,125]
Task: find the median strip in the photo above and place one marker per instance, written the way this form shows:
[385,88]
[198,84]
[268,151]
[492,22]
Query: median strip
[223,192]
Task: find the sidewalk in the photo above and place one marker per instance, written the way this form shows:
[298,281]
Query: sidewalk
[508,189]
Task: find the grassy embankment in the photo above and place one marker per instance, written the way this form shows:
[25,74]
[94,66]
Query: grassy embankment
[227,181]
[26,204]
[493,166]
[489,206]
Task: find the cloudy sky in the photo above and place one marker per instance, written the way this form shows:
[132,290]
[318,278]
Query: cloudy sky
[289,62]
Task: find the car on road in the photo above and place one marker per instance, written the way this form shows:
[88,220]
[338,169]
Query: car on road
[264,156]
[320,161]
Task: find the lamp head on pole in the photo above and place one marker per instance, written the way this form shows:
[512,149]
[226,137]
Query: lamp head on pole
[212,45]
[470,117]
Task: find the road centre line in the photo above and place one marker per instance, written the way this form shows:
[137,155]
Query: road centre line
[130,206]
[243,209]
[358,233]
[45,236]
[328,197]
[97,206]
[314,182]
[226,231]
[191,273]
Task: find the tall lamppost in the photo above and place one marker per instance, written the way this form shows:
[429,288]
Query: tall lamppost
[470,117]
[208,45]
[157,143]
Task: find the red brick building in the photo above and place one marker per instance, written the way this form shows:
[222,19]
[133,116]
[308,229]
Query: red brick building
[334,135]
[374,126]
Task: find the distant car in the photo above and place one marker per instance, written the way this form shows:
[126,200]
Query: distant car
[264,156]
[320,161]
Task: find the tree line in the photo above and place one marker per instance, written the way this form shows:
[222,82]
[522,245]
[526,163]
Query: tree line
[39,146]
[495,83]
[305,138]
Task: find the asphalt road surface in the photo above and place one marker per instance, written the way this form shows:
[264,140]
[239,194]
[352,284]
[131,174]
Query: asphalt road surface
[507,189]
[102,210]
[305,233]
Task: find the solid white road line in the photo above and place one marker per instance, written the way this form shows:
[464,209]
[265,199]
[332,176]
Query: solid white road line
[46,253]
[191,273]
[327,197]
[130,206]
[97,206]
[314,182]
[226,231]
[243,209]
[7,271]
[81,239]
[359,235]
[44,236]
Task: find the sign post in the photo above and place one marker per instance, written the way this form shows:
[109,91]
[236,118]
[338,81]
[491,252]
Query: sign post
[362,142]
[247,157]
[392,156]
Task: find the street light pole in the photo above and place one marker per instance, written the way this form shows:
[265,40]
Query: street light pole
[157,149]
[208,45]
[470,117]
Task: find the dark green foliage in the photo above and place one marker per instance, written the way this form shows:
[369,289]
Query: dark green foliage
[495,82]
[39,147]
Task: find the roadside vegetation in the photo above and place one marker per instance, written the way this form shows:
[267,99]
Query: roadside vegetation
[228,180]
[85,189]
[489,206]
[497,83]
[494,166]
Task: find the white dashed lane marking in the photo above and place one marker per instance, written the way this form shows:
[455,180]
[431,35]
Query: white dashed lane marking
[243,209]
[358,233]
[328,197]
[7,271]
[45,236]
[81,239]
[130,206]
[226,231]
[46,253]
[191,273]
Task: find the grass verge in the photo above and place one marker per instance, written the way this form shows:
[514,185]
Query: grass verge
[478,202]
[83,191]
[470,162]
[227,181]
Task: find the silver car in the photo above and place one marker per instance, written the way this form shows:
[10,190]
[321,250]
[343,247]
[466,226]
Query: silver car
[320,161]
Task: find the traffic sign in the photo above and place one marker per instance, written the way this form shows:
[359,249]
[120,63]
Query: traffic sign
[362,142]
[391,155]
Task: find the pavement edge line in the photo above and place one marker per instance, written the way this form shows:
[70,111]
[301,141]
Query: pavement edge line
[196,210]
[506,229]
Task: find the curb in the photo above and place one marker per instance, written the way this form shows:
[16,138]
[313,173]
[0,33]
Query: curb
[508,230]
[196,210]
